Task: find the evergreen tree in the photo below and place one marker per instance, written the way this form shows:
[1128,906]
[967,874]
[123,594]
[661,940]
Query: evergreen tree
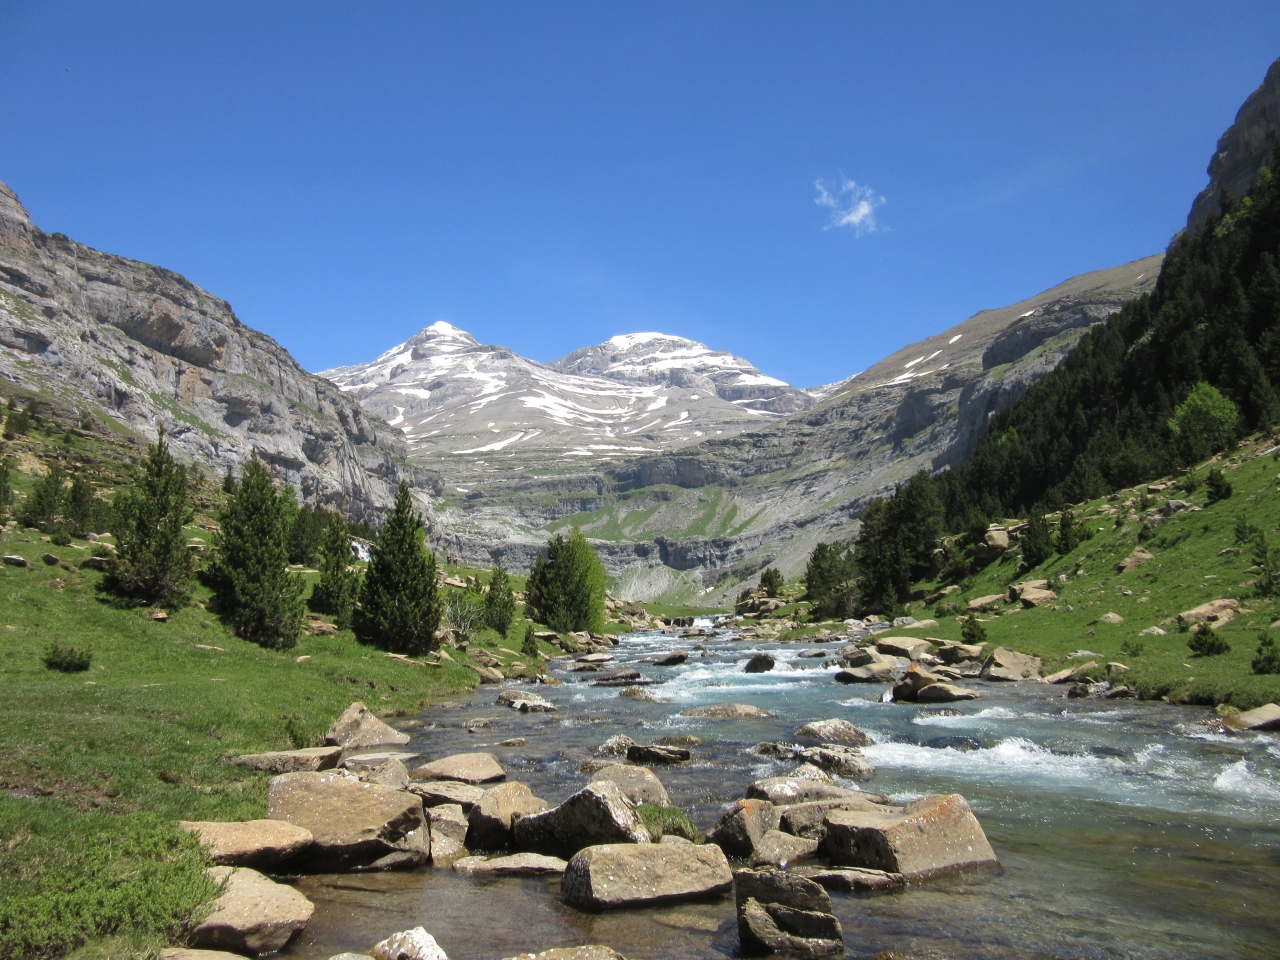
[529,647]
[771,581]
[304,534]
[1267,659]
[339,585]
[971,631]
[830,581]
[1217,486]
[896,543]
[1204,642]
[45,506]
[566,588]
[153,562]
[6,487]
[229,482]
[1068,532]
[499,603]
[400,605]
[1037,540]
[260,597]
[82,506]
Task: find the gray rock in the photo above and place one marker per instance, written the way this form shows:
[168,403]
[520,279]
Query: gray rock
[672,659]
[1005,663]
[517,864]
[834,731]
[1265,717]
[657,753]
[810,819]
[252,914]
[436,792]
[778,849]
[253,843]
[599,813]
[358,727]
[783,791]
[858,880]
[910,647]
[592,951]
[415,944]
[780,912]
[291,761]
[930,836]
[623,875]
[742,827]
[639,784]
[760,663]
[392,774]
[838,759]
[462,768]
[447,821]
[726,711]
[615,746]
[492,816]
[871,673]
[945,693]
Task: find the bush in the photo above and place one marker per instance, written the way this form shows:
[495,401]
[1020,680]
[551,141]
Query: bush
[771,582]
[1037,540]
[566,587]
[261,599]
[44,508]
[1267,559]
[1267,659]
[661,820]
[339,584]
[1069,534]
[463,612]
[67,659]
[1132,648]
[948,608]
[153,561]
[1204,642]
[1219,487]
[1203,423]
[6,488]
[971,631]
[529,647]
[1245,531]
[400,602]
[499,603]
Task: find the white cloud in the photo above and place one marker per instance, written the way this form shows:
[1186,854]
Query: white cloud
[851,204]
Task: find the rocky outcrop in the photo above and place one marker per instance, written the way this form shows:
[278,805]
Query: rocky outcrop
[625,875]
[252,914]
[111,339]
[1243,150]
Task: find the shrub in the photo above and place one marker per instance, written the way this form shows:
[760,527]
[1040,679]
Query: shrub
[499,603]
[1267,659]
[1245,531]
[400,602]
[948,608]
[1267,559]
[1204,642]
[1069,536]
[1037,540]
[1219,487]
[339,584]
[1132,648]
[67,659]
[771,582]
[153,562]
[661,820]
[530,645]
[6,488]
[463,612]
[566,587]
[971,631]
[261,599]
[44,507]
[1203,423]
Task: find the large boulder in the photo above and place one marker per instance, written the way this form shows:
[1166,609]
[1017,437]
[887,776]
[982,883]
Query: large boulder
[515,865]
[640,784]
[743,826]
[838,759]
[352,823]
[526,701]
[592,951]
[1215,613]
[778,849]
[447,821]
[781,791]
[958,652]
[291,761]
[1034,597]
[672,659]
[857,880]
[809,820]
[945,693]
[615,746]
[780,912]
[462,768]
[598,813]
[726,711]
[491,818]
[982,603]
[930,836]
[625,874]
[436,792]
[1265,717]
[760,663]
[252,914]
[358,727]
[415,944]
[253,843]
[1137,558]
[871,673]
[862,657]
[915,680]
[834,731]
[913,648]
[1005,663]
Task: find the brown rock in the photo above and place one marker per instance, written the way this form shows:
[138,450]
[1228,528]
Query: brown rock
[593,951]
[1265,717]
[782,791]
[625,874]
[780,912]
[834,731]
[871,673]
[743,826]
[517,864]
[598,813]
[1215,613]
[462,768]
[358,727]
[253,843]
[930,836]
[291,761]
[1005,663]
[913,648]
[1137,558]
[672,659]
[657,753]
[253,914]
[778,849]
[838,759]
[447,821]
[945,693]
[726,711]
[981,603]
[490,674]
[809,820]
[640,784]
[1032,597]
[859,880]
[436,792]
[492,816]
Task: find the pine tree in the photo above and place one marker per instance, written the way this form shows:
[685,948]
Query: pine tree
[499,603]
[82,506]
[400,604]
[339,585]
[6,487]
[971,631]
[566,588]
[771,581]
[262,600]
[529,647]
[153,562]
[1217,486]
[830,582]
[1068,532]
[44,508]
[1037,541]
[1267,659]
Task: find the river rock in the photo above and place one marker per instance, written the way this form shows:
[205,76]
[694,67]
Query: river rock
[958,652]
[1215,613]
[592,951]
[641,694]
[253,843]
[743,826]
[291,761]
[415,944]
[855,657]
[491,818]
[187,953]
[838,759]
[759,663]
[657,753]
[640,784]
[391,773]
[871,673]
[447,821]
[930,836]
[489,674]
[809,820]
[778,849]
[615,746]
[782,791]
[362,764]
[352,823]
[834,731]
[252,914]
[517,864]
[462,768]
[913,648]
[780,912]
[726,711]
[358,727]
[598,813]
[915,680]
[858,880]
[1005,663]
[672,659]
[945,693]
[436,792]
[1265,717]
[526,701]
[625,874]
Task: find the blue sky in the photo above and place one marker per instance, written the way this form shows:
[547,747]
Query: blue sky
[808,185]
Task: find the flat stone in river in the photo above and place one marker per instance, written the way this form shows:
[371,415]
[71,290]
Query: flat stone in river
[253,843]
[462,768]
[517,864]
[726,711]
[624,875]
[834,731]
[253,914]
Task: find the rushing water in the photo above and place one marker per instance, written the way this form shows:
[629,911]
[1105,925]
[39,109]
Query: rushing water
[1124,829]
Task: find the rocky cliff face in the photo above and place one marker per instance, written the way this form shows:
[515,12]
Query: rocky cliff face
[1243,150]
[140,347]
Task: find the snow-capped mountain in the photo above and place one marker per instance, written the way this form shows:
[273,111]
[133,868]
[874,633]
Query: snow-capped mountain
[660,358]
[643,393]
